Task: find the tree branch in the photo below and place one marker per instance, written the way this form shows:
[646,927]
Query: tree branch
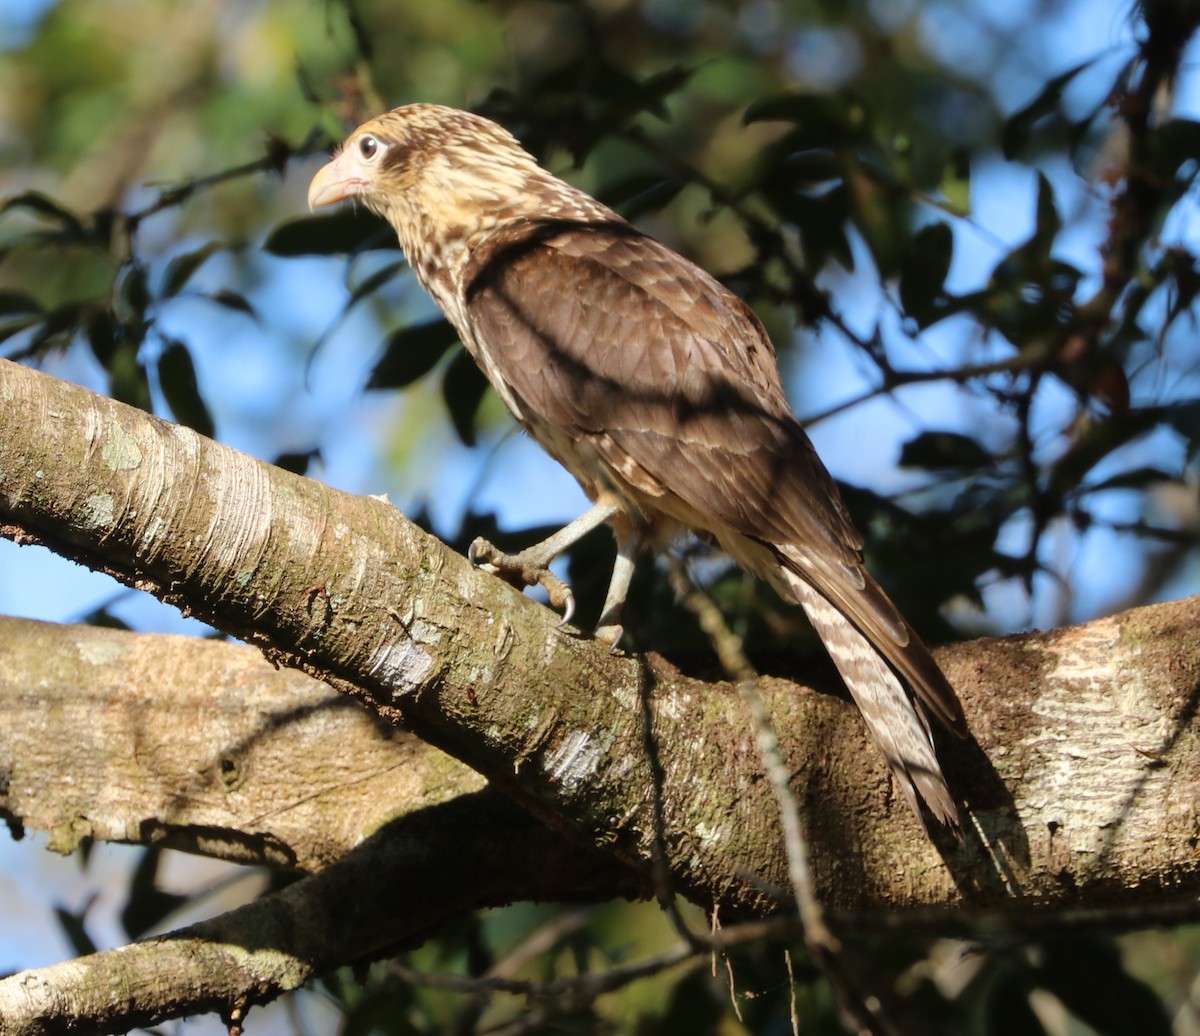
[1079,785]
[388,894]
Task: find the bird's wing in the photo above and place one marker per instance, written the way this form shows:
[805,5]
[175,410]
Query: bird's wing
[608,336]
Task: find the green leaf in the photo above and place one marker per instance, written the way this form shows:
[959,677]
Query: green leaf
[1172,144]
[180,269]
[828,116]
[1021,123]
[232,300]
[641,192]
[38,203]
[127,377]
[17,302]
[135,293]
[297,462]
[177,379]
[1049,222]
[350,229]
[411,353]
[940,451]
[463,389]
[379,278]
[72,925]
[1088,975]
[147,905]
[923,272]
[102,334]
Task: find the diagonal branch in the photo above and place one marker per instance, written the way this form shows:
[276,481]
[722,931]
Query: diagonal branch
[1077,785]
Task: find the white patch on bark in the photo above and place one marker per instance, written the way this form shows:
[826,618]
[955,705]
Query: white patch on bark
[100,651]
[575,760]
[1088,767]
[402,665]
[98,511]
[120,451]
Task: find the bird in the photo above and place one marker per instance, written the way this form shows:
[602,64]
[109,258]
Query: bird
[656,387]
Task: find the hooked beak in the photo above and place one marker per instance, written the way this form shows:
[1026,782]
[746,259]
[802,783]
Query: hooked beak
[336,181]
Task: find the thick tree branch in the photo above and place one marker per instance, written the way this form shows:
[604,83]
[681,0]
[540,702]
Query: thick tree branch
[390,893]
[198,745]
[1080,784]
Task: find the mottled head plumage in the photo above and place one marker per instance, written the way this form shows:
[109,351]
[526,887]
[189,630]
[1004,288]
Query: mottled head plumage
[445,178]
[425,161]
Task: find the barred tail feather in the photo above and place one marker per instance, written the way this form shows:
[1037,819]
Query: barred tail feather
[895,721]
[888,671]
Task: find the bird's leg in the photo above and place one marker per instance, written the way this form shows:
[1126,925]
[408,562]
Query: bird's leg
[531,567]
[610,629]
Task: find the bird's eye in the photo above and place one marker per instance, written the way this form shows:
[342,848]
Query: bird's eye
[368,147]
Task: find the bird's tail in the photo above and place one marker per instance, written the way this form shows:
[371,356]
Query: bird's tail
[896,722]
[871,654]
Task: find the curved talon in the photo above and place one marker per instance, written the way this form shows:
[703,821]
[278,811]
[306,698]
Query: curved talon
[523,569]
[568,607]
[611,635]
[480,551]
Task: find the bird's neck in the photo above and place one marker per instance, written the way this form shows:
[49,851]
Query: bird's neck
[441,219]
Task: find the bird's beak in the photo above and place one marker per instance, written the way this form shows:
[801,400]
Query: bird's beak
[335,181]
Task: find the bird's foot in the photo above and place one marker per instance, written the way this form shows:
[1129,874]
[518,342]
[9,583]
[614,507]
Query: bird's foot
[611,635]
[524,569]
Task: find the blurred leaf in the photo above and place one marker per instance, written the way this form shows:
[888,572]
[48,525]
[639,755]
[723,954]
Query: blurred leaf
[232,300]
[127,377]
[103,616]
[177,379]
[1170,145]
[824,119]
[73,928]
[1048,220]
[180,269]
[1089,977]
[13,327]
[463,389]
[147,905]
[1183,416]
[809,170]
[1020,125]
[924,272]
[101,333]
[642,192]
[1137,478]
[821,220]
[350,229]
[1008,1011]
[17,302]
[135,293]
[297,462]
[955,184]
[1094,442]
[937,451]
[411,353]
[58,328]
[379,278]
[38,203]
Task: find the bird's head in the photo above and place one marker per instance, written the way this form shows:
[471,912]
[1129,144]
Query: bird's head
[425,167]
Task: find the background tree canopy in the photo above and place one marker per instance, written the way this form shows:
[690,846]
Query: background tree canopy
[971,233]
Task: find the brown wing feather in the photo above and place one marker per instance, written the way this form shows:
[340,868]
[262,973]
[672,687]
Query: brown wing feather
[607,335]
